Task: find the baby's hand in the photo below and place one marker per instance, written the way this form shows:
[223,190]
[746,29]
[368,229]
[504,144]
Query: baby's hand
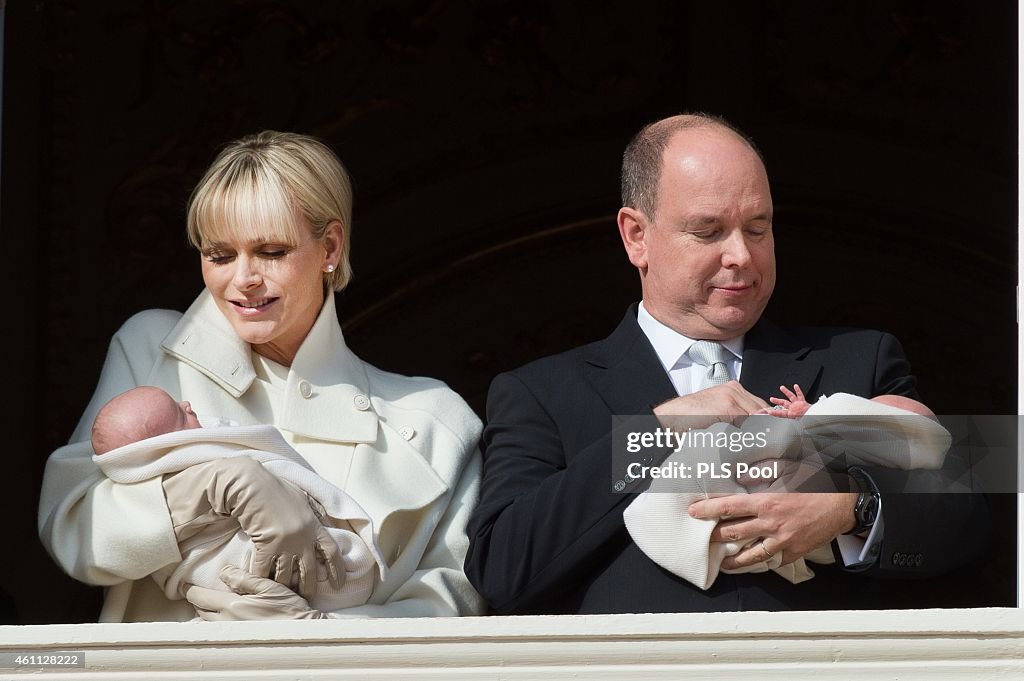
[794,405]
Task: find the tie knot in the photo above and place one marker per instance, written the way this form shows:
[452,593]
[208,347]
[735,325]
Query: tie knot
[708,353]
[713,356]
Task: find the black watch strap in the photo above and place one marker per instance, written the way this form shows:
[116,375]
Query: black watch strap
[865,512]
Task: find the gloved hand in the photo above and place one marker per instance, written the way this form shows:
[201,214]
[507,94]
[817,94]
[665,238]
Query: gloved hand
[287,535]
[254,598]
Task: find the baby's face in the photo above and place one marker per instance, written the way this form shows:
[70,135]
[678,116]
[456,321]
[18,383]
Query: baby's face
[187,418]
[168,416]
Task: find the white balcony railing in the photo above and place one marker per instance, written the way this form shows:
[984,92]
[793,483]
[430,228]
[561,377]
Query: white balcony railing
[909,644]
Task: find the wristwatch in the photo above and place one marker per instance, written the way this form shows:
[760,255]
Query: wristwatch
[865,511]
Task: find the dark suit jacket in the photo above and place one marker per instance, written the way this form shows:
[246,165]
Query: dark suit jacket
[548,535]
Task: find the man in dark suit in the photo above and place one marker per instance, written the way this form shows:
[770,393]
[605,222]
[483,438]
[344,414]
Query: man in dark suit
[548,534]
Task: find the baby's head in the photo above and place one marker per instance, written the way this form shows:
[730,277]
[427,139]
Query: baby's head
[137,414]
[904,403]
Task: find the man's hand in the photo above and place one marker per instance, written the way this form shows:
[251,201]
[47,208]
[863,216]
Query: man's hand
[254,598]
[727,402]
[788,525]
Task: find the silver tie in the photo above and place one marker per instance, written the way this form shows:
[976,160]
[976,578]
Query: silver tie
[713,356]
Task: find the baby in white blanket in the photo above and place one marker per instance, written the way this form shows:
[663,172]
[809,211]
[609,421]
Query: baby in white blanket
[144,433]
[887,430]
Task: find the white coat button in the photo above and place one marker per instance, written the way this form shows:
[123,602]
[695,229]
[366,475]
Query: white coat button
[305,389]
[362,402]
[407,432]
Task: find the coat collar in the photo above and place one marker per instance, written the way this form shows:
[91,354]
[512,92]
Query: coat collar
[625,370]
[327,395]
[204,340]
[772,356]
[629,376]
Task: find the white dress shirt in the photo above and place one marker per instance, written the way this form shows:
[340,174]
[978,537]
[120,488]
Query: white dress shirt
[671,347]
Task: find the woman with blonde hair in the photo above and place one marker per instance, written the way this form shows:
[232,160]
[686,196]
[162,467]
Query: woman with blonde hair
[262,344]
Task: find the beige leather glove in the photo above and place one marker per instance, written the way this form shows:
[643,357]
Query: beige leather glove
[254,598]
[287,535]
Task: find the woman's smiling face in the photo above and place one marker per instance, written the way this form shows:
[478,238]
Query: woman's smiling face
[271,291]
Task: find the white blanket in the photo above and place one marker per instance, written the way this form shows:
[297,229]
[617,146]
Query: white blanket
[223,543]
[865,433]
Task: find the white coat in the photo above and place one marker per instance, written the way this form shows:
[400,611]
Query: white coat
[404,448]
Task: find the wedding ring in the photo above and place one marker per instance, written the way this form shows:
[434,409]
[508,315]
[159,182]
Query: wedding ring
[766,551]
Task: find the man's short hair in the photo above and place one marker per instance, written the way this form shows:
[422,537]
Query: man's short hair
[641,161]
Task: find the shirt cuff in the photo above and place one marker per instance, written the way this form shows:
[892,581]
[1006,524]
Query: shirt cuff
[859,553]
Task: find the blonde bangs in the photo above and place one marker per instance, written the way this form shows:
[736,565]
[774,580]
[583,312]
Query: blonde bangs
[242,202]
[267,187]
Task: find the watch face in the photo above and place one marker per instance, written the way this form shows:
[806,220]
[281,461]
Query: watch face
[869,510]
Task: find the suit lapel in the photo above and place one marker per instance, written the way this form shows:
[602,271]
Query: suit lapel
[773,357]
[626,372]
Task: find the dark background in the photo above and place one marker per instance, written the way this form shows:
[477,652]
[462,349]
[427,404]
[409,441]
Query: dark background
[484,139]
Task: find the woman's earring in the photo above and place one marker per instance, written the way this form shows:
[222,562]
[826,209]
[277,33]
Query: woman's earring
[330,268]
